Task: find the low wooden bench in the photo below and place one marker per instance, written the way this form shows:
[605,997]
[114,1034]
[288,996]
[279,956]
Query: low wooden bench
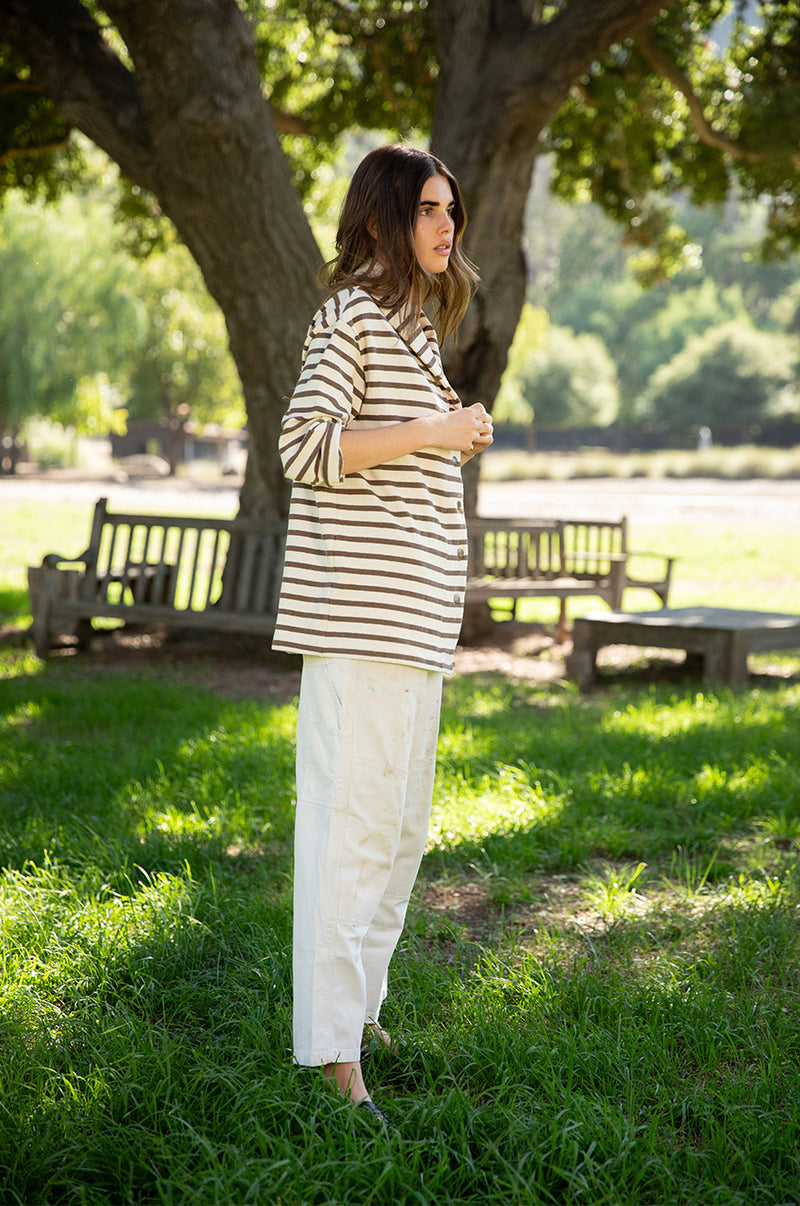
[513,559]
[188,572]
[721,636]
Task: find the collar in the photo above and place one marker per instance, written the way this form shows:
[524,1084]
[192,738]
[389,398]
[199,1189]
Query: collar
[422,342]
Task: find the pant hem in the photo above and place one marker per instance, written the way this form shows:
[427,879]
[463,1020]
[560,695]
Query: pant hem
[329,1057]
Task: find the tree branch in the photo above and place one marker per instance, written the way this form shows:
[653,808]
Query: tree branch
[290,123]
[585,29]
[71,61]
[662,64]
[526,66]
[35,149]
[15,86]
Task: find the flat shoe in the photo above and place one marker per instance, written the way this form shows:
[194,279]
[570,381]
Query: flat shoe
[369,1107]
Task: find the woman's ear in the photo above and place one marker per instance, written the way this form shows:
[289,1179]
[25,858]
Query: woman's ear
[372,225]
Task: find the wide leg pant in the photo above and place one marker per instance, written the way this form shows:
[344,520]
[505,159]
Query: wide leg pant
[366,754]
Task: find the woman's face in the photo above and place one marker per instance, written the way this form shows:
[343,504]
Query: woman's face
[434,227]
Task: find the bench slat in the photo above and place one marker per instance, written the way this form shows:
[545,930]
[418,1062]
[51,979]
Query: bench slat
[514,559]
[225,574]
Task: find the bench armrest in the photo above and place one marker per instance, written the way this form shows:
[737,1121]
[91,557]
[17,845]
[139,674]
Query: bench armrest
[659,583]
[667,557]
[54,560]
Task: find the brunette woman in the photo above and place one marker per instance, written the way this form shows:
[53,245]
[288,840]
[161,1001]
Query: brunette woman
[373,588]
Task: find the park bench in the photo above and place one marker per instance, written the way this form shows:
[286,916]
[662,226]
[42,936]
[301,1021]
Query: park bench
[224,574]
[513,559]
[215,574]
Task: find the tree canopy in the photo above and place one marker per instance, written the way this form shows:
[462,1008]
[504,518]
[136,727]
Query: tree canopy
[731,375]
[222,115]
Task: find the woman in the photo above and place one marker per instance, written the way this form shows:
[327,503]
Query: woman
[373,588]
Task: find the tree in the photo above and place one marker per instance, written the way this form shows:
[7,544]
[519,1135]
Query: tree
[512,404]
[67,310]
[87,336]
[571,381]
[585,281]
[556,379]
[624,87]
[173,94]
[732,376]
[505,72]
[183,363]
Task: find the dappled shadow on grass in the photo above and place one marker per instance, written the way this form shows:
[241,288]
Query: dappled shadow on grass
[138,770]
[145,918]
[571,1030]
[136,1029]
[533,780]
[742,932]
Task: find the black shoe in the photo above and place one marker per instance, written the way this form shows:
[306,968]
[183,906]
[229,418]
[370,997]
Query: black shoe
[369,1107]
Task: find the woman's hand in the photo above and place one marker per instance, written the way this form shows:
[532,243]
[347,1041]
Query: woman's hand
[467,430]
[483,432]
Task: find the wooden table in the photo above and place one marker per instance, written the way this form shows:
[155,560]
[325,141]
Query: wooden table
[723,636]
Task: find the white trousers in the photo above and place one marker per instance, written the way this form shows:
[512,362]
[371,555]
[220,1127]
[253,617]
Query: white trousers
[366,755]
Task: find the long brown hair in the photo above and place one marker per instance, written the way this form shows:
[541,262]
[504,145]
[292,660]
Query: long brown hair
[384,193]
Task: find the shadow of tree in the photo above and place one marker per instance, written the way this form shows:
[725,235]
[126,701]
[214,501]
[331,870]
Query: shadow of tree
[129,771]
[624,775]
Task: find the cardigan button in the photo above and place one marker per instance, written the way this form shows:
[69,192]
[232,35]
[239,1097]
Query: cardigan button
[457,599]
[462,552]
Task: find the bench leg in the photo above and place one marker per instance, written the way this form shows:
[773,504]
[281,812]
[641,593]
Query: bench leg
[562,631]
[39,594]
[581,668]
[715,660]
[736,671]
[581,662]
[84,632]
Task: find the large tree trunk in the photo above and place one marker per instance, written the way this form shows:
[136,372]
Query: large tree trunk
[223,180]
[190,124]
[502,78]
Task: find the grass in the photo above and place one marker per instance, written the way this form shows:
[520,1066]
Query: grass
[599,979]
[734,464]
[621,1047]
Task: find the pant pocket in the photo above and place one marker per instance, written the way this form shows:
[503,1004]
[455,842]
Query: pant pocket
[320,733]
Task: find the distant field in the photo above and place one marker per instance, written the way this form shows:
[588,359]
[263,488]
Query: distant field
[739,464]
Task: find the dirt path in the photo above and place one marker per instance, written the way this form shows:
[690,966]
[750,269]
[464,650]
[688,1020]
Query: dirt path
[748,504]
[758,503]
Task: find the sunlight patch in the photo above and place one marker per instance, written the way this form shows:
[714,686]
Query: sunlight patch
[25,714]
[52,928]
[501,802]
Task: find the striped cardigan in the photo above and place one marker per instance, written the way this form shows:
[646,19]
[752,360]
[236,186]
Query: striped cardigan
[376,561]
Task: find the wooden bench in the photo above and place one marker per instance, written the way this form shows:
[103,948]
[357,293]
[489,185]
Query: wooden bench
[513,559]
[216,574]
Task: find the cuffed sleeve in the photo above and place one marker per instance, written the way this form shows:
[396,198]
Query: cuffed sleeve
[327,395]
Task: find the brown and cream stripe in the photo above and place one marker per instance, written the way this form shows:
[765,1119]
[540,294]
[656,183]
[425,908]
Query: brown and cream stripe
[376,561]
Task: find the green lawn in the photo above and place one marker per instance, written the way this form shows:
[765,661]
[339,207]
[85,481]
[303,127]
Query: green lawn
[599,981]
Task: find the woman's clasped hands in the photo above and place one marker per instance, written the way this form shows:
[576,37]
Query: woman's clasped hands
[468,430]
